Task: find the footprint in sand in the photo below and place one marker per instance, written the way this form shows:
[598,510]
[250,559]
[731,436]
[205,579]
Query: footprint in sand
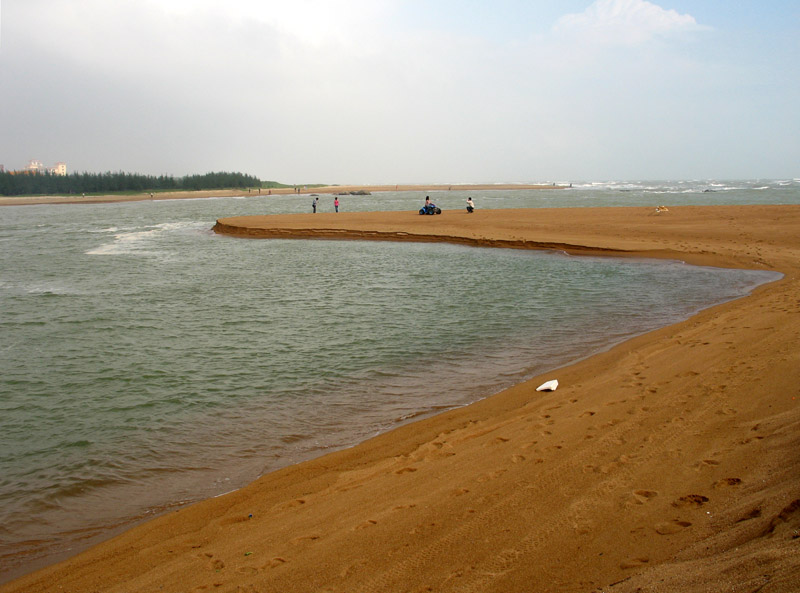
[704,462]
[642,496]
[753,514]
[217,565]
[234,520]
[491,476]
[276,562]
[497,441]
[691,500]
[747,441]
[728,482]
[294,503]
[303,539]
[670,527]
[787,514]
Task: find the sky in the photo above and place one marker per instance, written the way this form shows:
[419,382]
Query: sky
[404,91]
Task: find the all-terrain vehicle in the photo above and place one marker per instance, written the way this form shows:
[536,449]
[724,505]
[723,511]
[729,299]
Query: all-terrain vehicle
[430,209]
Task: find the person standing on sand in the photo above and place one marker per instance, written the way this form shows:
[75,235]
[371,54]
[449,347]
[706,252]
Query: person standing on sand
[470,205]
[314,205]
[336,204]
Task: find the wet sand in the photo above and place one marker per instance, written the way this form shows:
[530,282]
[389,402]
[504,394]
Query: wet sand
[253,192]
[668,463]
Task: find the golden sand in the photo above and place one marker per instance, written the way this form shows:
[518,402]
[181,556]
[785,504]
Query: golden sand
[669,463]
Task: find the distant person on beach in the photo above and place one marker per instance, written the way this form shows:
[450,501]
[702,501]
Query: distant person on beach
[336,204]
[314,205]
[470,205]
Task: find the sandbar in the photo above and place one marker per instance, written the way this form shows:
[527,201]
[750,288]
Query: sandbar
[255,192]
[670,462]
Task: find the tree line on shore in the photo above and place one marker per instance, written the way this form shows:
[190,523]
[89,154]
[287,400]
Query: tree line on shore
[23,184]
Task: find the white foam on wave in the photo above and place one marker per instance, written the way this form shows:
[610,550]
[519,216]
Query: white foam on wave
[35,288]
[43,289]
[141,241]
[124,243]
[687,186]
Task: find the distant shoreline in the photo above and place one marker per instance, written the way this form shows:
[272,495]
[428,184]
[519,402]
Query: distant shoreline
[254,192]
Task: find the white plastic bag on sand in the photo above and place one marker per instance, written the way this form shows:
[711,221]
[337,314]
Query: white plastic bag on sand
[548,386]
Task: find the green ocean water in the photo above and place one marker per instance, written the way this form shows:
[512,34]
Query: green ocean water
[146,362]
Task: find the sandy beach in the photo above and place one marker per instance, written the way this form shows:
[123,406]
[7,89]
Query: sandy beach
[670,462]
[253,192]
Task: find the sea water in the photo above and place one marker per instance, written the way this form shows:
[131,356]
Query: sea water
[146,362]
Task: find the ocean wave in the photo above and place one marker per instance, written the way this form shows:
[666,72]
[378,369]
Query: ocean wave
[48,290]
[684,186]
[139,241]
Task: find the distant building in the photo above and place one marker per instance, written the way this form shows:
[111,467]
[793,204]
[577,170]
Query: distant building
[35,167]
[2,169]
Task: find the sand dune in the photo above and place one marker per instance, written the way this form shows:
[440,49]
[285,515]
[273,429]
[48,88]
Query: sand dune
[669,463]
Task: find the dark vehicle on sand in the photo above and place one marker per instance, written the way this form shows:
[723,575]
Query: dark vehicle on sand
[430,209]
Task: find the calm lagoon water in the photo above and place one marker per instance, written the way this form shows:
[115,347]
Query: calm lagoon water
[146,362]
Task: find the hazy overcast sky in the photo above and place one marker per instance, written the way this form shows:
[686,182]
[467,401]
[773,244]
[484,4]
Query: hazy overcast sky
[404,91]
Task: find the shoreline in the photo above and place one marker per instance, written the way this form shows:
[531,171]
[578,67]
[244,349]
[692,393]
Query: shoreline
[255,193]
[638,469]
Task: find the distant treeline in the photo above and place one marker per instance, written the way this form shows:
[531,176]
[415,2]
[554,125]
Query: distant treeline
[22,184]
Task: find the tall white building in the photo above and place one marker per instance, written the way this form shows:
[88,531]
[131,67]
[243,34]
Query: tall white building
[35,166]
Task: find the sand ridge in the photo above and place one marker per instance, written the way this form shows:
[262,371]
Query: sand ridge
[669,463]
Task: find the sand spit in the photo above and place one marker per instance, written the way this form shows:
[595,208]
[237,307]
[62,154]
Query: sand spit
[255,192]
[669,463]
